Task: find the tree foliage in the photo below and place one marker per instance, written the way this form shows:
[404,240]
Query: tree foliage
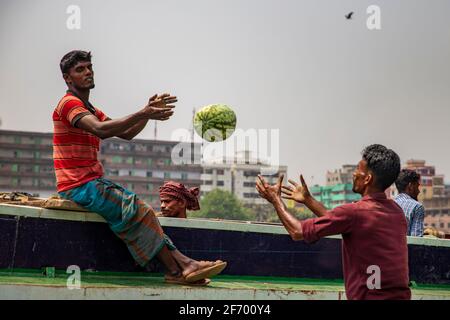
[222,204]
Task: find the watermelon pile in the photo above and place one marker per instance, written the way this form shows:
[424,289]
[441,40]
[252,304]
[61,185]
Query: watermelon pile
[215,122]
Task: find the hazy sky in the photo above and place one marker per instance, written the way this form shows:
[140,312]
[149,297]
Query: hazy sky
[330,85]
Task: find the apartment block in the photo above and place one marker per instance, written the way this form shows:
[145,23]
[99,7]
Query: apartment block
[238,175]
[26,164]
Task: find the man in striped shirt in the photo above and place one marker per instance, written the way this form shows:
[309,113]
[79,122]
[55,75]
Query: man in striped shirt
[407,184]
[78,130]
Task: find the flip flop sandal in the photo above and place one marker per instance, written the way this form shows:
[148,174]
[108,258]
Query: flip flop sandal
[199,283]
[207,272]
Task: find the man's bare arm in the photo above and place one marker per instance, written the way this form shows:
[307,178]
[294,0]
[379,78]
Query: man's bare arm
[315,206]
[291,223]
[134,130]
[129,126]
[110,128]
[273,195]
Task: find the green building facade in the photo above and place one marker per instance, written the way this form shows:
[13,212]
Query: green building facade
[333,196]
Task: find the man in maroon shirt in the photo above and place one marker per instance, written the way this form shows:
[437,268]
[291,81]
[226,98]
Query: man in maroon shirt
[374,247]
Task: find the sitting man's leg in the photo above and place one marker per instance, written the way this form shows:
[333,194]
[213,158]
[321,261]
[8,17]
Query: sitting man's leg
[189,265]
[132,220]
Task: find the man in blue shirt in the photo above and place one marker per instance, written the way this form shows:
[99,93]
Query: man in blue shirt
[407,184]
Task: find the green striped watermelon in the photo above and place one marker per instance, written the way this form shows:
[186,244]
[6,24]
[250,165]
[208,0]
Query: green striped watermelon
[215,122]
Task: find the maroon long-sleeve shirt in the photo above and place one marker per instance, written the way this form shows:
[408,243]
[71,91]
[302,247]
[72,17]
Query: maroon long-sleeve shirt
[374,238]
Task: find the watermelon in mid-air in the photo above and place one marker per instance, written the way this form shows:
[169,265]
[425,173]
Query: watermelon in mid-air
[215,122]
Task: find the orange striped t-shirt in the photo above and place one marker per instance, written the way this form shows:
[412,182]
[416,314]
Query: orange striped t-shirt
[74,150]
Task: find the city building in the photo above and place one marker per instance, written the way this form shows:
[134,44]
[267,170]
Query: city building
[26,164]
[238,175]
[437,213]
[432,185]
[434,195]
[338,188]
[343,175]
[447,190]
[334,195]
[142,166]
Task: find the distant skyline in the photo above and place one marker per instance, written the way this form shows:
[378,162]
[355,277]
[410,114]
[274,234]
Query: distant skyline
[328,84]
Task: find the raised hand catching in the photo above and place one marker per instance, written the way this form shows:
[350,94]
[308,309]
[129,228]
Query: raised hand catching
[269,192]
[160,107]
[296,192]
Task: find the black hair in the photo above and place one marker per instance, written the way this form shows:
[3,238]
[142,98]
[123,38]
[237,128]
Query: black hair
[384,163]
[406,177]
[72,58]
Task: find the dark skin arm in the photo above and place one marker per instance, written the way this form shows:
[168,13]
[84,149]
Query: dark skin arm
[138,127]
[301,194]
[134,130]
[272,193]
[158,108]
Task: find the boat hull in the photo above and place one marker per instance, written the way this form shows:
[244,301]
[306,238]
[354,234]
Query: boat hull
[28,241]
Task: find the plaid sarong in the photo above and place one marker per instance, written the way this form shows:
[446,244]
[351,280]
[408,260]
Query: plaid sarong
[130,218]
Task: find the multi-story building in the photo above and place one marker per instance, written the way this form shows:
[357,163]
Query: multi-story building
[437,213]
[142,166]
[432,185]
[343,175]
[26,164]
[434,195]
[335,195]
[238,175]
[447,190]
[338,188]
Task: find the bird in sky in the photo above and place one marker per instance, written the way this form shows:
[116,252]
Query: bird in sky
[349,16]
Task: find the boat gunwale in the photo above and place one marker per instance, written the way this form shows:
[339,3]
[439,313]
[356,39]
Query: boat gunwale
[193,223]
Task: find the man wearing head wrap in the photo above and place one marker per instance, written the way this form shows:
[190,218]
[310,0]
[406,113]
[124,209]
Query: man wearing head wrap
[176,199]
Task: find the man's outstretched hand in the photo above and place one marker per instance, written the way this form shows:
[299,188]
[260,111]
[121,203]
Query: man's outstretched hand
[269,192]
[160,107]
[296,192]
